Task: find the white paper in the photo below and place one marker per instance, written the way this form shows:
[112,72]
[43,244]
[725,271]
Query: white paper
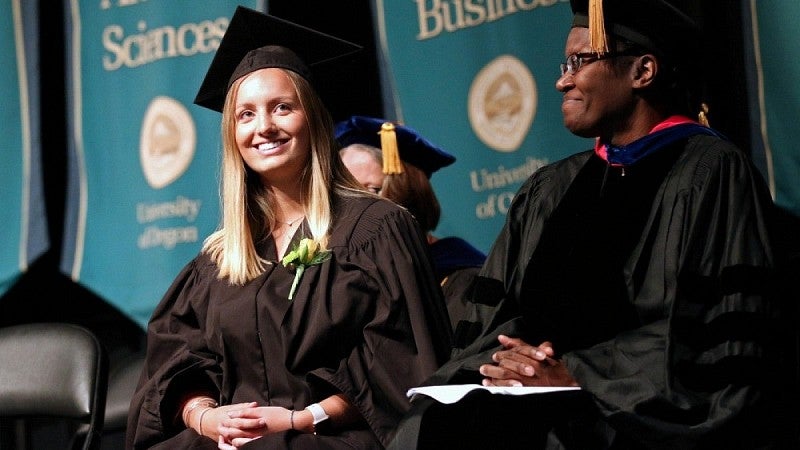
[451,393]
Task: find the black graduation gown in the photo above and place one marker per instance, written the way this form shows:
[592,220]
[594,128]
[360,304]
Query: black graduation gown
[456,264]
[369,322]
[653,287]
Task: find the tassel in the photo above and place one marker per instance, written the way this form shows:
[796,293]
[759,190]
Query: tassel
[702,116]
[391,155]
[597,28]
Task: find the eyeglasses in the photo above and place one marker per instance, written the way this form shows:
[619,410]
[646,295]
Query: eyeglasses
[577,60]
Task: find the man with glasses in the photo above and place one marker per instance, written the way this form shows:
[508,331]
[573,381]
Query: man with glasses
[638,271]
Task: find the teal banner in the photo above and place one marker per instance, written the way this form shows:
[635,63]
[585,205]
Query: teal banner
[22,197]
[478,79]
[774,84]
[143,175]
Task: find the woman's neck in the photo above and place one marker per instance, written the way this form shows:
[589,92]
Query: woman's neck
[287,204]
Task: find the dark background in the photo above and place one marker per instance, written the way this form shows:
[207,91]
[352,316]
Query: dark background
[44,294]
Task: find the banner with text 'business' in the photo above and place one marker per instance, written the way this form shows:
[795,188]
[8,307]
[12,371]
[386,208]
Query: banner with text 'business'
[22,194]
[478,78]
[143,179]
[774,85]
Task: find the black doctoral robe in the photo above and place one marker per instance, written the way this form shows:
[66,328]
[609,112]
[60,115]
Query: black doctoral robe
[652,282]
[369,322]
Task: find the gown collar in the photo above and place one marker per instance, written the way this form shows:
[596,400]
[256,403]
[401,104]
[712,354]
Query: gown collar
[665,133]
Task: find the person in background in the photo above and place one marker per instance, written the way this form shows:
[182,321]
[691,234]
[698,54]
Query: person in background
[312,308]
[641,271]
[396,162]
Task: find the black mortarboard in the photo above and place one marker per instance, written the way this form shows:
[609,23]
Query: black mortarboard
[656,25]
[255,40]
[387,136]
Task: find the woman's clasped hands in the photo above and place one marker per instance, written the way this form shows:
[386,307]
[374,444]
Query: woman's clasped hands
[235,425]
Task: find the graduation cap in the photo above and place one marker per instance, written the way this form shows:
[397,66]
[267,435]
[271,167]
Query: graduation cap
[397,142]
[656,25]
[255,40]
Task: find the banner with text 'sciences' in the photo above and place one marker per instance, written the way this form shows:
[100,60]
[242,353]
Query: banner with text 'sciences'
[23,212]
[774,88]
[143,159]
[478,79]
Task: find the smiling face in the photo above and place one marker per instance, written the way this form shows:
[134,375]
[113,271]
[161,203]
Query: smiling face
[599,98]
[271,128]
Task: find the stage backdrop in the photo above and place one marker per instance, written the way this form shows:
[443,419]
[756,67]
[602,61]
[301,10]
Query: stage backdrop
[21,196]
[143,168]
[478,79]
[770,29]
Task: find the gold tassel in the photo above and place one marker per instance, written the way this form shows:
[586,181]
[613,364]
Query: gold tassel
[391,155]
[597,27]
[702,116]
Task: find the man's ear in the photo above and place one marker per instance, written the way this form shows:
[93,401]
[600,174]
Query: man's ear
[644,71]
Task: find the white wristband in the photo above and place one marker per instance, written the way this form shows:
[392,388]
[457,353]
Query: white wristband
[318,412]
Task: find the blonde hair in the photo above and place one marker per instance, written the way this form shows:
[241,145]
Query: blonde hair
[247,212]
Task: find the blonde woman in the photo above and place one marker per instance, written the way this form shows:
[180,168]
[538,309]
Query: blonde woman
[313,308]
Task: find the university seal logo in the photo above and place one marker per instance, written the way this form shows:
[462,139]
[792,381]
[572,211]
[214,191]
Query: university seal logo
[502,103]
[166,142]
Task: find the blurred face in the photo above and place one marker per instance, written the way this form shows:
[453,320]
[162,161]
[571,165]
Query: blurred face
[364,167]
[271,127]
[597,99]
